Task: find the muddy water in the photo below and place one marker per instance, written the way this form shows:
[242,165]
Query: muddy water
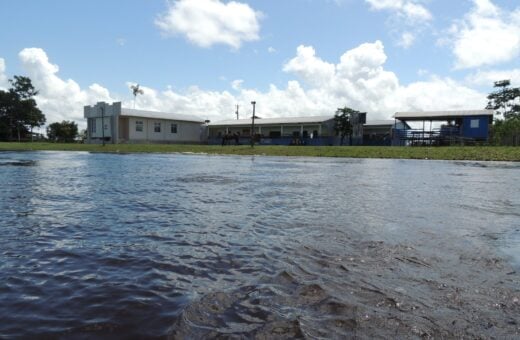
[192,246]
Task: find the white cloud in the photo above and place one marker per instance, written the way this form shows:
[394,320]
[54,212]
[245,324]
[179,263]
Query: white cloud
[357,80]
[209,22]
[121,41]
[312,69]
[488,78]
[271,49]
[3,78]
[408,15]
[408,9]
[58,99]
[237,84]
[487,35]
[407,39]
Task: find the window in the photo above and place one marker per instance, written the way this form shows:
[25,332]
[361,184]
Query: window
[93,125]
[474,123]
[156,127]
[139,125]
[174,128]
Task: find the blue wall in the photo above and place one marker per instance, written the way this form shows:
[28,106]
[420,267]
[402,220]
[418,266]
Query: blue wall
[480,132]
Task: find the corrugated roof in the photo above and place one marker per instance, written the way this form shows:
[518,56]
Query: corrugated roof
[273,121]
[441,114]
[160,115]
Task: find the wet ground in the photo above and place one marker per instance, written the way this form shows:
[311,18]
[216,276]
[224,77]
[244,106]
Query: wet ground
[181,246]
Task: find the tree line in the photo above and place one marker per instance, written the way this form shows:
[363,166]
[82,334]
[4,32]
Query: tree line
[19,115]
[505,100]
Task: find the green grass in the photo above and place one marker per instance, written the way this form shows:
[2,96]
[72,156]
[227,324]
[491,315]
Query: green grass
[481,153]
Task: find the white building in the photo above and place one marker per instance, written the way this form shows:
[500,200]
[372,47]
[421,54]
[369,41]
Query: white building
[121,125]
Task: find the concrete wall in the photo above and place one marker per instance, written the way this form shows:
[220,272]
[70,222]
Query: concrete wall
[187,132]
[104,117]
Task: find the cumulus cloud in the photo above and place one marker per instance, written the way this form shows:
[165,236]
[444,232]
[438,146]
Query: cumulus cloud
[210,22]
[487,35]
[57,98]
[358,80]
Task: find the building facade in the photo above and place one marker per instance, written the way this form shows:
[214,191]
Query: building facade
[318,130]
[115,124]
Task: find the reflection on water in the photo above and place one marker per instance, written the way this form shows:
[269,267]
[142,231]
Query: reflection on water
[206,246]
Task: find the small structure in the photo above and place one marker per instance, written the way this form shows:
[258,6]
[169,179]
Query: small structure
[380,132]
[457,127]
[317,130]
[114,124]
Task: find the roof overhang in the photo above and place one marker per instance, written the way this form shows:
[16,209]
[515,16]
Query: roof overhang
[440,115]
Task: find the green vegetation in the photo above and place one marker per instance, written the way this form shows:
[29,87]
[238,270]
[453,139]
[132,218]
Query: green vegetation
[64,132]
[505,101]
[480,153]
[19,114]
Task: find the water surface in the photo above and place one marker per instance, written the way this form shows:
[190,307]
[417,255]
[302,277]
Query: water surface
[202,246]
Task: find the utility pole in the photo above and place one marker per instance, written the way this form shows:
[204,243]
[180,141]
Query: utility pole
[253,126]
[237,111]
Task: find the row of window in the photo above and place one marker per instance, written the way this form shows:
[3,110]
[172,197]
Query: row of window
[139,126]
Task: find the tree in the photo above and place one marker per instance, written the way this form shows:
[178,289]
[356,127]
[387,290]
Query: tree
[66,131]
[19,112]
[343,122]
[504,100]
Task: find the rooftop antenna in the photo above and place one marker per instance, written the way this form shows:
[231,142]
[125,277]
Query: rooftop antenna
[136,90]
[237,111]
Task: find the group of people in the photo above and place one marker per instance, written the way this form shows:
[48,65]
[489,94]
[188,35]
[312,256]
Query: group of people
[228,137]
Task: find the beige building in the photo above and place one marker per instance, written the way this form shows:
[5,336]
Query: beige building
[116,124]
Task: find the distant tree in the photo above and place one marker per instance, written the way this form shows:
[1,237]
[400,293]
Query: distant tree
[82,136]
[66,131]
[505,100]
[343,123]
[19,113]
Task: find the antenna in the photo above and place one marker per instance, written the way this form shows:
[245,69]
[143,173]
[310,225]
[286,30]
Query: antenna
[237,111]
[136,90]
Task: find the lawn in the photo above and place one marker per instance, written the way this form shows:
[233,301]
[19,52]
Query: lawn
[481,153]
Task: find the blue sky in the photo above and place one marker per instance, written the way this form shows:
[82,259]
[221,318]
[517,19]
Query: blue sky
[294,57]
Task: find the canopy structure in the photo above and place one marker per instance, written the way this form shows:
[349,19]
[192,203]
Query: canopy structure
[460,126]
[440,115]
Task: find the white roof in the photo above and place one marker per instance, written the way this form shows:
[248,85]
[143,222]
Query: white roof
[160,115]
[441,114]
[379,122]
[273,121]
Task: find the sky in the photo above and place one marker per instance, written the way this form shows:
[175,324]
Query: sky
[293,57]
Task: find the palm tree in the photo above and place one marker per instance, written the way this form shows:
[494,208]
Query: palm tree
[136,90]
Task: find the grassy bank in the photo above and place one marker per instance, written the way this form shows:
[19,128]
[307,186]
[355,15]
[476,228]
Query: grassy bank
[486,153]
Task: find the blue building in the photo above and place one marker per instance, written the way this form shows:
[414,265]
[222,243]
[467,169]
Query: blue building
[442,127]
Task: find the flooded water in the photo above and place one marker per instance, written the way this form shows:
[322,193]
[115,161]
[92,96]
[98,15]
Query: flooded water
[196,246]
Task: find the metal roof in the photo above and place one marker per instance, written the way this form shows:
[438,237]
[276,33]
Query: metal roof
[160,115]
[273,121]
[441,115]
[379,122]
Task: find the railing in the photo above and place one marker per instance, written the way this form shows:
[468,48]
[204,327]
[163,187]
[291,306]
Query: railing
[418,137]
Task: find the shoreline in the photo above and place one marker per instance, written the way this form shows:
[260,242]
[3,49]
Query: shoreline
[460,153]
